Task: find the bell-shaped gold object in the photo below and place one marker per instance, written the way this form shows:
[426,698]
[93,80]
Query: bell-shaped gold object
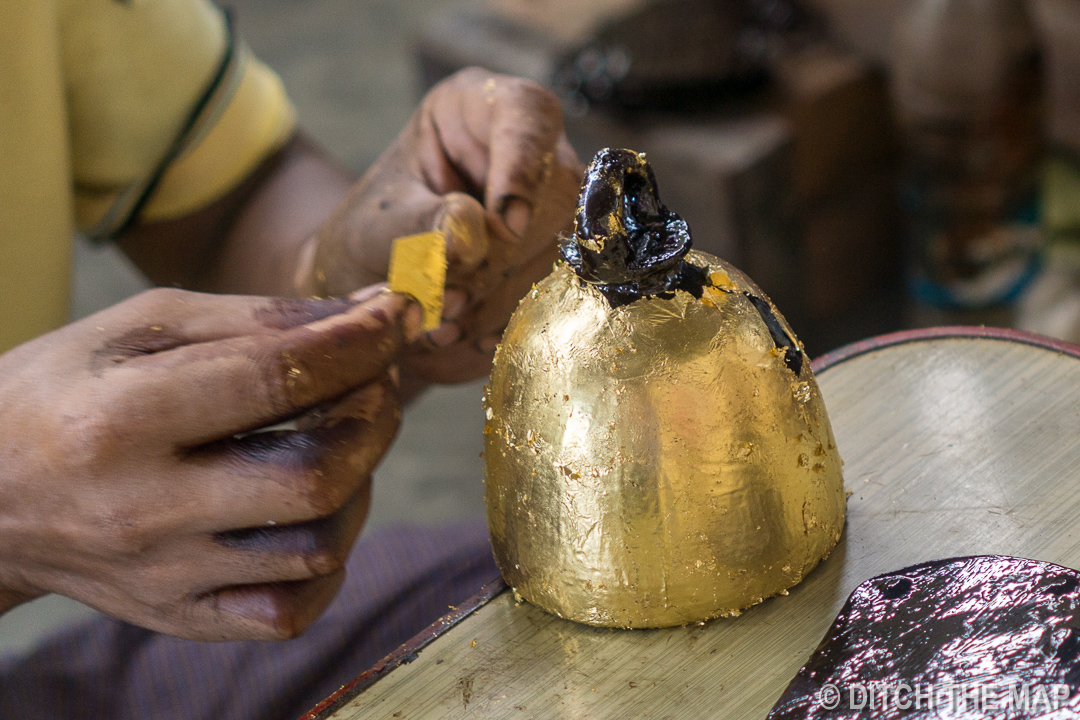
[657,450]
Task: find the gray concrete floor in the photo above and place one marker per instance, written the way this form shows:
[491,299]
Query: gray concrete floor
[348,67]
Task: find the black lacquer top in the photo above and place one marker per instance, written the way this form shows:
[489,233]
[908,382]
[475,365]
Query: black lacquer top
[975,637]
[626,241]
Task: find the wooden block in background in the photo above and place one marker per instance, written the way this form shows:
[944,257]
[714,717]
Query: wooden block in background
[838,110]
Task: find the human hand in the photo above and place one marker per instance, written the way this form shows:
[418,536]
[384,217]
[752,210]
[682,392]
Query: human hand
[126,479]
[485,160]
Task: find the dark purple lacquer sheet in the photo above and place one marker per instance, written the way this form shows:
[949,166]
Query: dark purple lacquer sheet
[975,637]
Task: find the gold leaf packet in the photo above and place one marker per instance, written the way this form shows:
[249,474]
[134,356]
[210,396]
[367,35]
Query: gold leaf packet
[418,268]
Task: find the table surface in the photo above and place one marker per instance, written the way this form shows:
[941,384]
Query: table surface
[953,446]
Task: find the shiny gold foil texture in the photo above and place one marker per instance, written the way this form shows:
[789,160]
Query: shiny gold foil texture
[418,268]
[657,463]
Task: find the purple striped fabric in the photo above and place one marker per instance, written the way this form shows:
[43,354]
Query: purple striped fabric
[399,581]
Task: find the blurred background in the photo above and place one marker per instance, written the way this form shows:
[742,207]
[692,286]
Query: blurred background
[872,165]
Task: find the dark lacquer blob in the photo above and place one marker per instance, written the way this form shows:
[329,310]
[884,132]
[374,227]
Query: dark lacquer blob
[628,245]
[793,356]
[626,242]
[974,637]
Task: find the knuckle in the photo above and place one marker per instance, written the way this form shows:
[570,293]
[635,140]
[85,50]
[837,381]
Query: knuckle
[542,97]
[280,313]
[470,75]
[289,625]
[286,627]
[326,561]
[273,615]
[284,618]
[96,444]
[546,108]
[543,104]
[122,531]
[376,422]
[162,298]
[94,438]
[455,83]
[268,611]
[377,398]
[282,378]
[324,493]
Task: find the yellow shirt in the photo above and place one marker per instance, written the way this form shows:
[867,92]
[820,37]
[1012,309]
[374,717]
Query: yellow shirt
[111,108]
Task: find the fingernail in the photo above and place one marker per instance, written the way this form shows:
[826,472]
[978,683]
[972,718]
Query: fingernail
[453,303]
[414,321]
[446,334]
[517,213]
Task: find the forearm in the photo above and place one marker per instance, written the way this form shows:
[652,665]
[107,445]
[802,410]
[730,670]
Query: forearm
[249,240]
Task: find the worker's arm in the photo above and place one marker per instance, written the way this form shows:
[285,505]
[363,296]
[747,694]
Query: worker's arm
[248,240]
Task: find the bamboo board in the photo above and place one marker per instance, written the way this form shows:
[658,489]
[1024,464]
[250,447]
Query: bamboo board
[953,446]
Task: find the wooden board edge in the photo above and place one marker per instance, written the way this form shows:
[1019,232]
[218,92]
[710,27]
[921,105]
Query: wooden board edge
[404,654]
[847,352]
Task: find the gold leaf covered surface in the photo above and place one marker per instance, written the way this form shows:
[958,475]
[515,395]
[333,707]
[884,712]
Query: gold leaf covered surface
[656,463]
